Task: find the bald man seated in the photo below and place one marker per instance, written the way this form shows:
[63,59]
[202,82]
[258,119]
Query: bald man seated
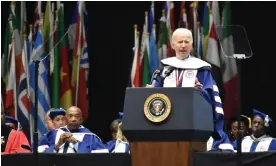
[72,138]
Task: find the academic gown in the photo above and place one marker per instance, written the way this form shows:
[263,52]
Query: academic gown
[88,142]
[223,144]
[117,147]
[13,141]
[209,91]
[262,144]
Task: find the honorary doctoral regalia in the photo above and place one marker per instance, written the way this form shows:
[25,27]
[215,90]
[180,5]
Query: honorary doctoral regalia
[182,71]
[262,141]
[13,141]
[87,142]
[119,144]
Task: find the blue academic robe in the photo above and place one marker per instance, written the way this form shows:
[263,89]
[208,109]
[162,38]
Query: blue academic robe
[210,90]
[234,143]
[223,144]
[262,144]
[88,142]
[119,147]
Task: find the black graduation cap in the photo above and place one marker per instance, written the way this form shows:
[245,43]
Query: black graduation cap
[267,120]
[56,112]
[245,119]
[9,119]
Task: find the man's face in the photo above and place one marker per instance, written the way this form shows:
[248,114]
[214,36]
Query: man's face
[182,44]
[258,126]
[74,118]
[59,121]
[234,129]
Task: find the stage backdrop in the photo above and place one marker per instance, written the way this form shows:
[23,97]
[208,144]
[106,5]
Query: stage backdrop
[110,42]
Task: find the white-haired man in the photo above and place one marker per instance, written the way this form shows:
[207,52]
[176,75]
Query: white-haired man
[184,70]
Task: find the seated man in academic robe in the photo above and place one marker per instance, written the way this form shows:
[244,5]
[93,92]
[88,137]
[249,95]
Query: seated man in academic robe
[72,138]
[260,140]
[233,129]
[12,141]
[184,70]
[119,143]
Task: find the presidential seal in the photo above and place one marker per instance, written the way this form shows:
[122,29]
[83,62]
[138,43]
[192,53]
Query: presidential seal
[157,107]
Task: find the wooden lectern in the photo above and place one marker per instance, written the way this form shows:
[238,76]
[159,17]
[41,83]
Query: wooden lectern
[186,123]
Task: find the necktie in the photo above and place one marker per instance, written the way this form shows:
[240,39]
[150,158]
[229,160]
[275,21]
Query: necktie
[66,145]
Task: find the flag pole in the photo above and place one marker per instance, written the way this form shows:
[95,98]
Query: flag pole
[239,134]
[35,134]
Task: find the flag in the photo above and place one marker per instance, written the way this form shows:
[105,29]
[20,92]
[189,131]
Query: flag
[206,29]
[163,38]
[145,65]
[80,62]
[169,17]
[24,108]
[230,74]
[135,70]
[144,58]
[37,15]
[199,48]
[212,55]
[63,74]
[54,64]
[144,37]
[5,60]
[43,85]
[182,23]
[153,56]
[10,99]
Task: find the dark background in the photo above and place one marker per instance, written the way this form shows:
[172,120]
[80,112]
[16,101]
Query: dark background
[110,42]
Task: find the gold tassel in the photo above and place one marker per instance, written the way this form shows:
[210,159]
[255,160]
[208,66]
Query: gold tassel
[119,134]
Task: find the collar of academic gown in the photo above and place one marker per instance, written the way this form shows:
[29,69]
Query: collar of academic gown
[188,63]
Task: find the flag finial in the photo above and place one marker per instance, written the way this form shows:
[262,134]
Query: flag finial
[146,13]
[163,12]
[24,36]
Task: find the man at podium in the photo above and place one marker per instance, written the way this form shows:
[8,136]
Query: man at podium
[184,70]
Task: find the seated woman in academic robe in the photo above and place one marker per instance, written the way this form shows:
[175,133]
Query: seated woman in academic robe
[233,129]
[54,119]
[13,123]
[72,138]
[119,143]
[12,141]
[260,140]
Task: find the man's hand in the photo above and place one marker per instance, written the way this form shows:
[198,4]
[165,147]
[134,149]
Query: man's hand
[63,138]
[72,140]
[198,85]
[149,86]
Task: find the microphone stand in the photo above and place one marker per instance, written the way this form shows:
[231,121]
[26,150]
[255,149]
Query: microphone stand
[36,60]
[35,134]
[239,136]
